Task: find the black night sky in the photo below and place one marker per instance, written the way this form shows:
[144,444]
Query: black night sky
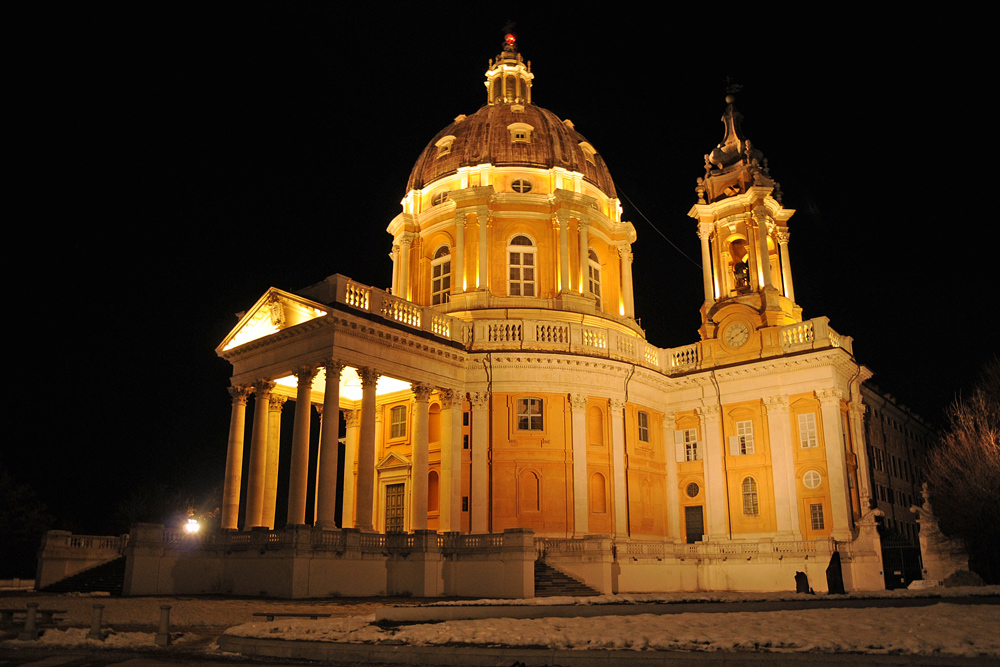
[172,161]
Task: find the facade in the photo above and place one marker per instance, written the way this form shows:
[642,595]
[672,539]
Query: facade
[503,383]
[897,442]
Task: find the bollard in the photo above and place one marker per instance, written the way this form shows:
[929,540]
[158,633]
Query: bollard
[30,633]
[163,636]
[95,623]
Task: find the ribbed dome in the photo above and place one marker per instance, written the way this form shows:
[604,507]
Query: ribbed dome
[484,137]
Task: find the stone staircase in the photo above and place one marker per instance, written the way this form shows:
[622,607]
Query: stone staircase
[550,582]
[108,577]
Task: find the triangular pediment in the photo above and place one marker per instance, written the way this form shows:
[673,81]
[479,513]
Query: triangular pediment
[392,460]
[274,311]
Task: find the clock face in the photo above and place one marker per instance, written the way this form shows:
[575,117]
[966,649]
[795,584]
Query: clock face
[736,334]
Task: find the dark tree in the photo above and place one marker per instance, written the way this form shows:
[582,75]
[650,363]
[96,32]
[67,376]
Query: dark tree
[23,520]
[963,474]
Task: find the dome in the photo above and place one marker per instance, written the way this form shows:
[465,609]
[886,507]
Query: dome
[485,138]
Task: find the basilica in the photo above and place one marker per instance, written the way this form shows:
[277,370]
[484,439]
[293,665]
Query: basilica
[501,397]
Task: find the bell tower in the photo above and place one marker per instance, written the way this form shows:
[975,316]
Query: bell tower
[743,229]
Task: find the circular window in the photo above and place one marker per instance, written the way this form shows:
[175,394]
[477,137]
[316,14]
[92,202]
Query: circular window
[521,185]
[692,490]
[439,198]
[812,479]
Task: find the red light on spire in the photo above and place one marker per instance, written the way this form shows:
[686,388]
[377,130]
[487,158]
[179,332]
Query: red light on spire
[510,39]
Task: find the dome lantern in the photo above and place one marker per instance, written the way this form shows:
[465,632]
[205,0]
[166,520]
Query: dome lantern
[508,80]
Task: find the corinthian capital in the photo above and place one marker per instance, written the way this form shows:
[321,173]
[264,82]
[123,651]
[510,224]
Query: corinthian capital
[369,376]
[577,401]
[705,230]
[480,400]
[263,387]
[239,394]
[422,392]
[829,395]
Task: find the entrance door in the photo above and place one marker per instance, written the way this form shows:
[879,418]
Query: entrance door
[394,508]
[694,523]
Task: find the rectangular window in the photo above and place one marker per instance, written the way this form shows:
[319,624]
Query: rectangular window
[807,431]
[687,446]
[398,421]
[465,441]
[465,418]
[816,514]
[529,414]
[643,427]
[742,443]
[465,503]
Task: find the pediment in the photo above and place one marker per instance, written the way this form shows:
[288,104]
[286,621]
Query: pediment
[274,311]
[392,460]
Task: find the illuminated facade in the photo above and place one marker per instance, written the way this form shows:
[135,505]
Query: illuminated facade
[503,381]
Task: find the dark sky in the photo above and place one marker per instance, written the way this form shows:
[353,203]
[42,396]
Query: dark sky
[175,160]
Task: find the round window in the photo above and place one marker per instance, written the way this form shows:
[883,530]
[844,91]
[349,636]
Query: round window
[521,185]
[812,479]
[692,490]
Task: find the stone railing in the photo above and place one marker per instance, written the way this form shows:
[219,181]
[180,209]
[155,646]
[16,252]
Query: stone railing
[723,549]
[341,289]
[812,335]
[545,335]
[110,544]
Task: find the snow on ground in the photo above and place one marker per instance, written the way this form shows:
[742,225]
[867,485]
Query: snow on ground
[940,629]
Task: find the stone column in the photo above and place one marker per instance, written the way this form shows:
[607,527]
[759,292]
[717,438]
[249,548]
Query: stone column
[581,504]
[752,253]
[479,512]
[273,450]
[395,267]
[482,280]
[618,471]
[705,233]
[836,464]
[234,459]
[584,227]
[760,216]
[625,252]
[782,234]
[298,475]
[715,476]
[786,503]
[858,409]
[258,455]
[326,475]
[562,220]
[352,420]
[366,452]
[405,241]
[451,461]
[421,396]
[458,256]
[673,482]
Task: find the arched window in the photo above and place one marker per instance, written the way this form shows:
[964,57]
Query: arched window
[594,276]
[441,276]
[598,494]
[751,507]
[521,266]
[528,492]
[433,492]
